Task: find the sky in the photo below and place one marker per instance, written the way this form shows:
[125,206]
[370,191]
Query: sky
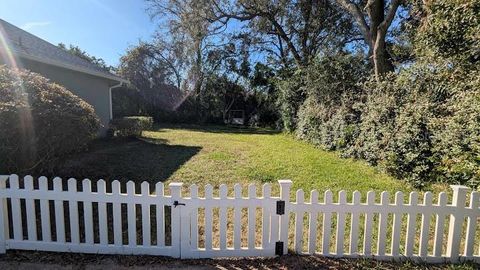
[102,28]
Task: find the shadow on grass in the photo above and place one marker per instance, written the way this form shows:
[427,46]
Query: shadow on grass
[126,159]
[218,129]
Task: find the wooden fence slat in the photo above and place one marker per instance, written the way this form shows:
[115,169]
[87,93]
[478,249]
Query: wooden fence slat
[367,240]
[456,222]
[73,212]
[117,215]
[299,223]
[342,200]
[252,194]
[285,186]
[439,225]
[382,224]
[102,213]
[131,215]
[237,217]
[176,195]
[267,192]
[146,228]
[411,224]
[354,223]
[4,226]
[397,225]
[223,217]
[59,212]
[472,225]
[327,217]
[16,210]
[87,212]
[208,218]
[30,209]
[45,211]
[312,224]
[425,225]
[160,212]
[194,219]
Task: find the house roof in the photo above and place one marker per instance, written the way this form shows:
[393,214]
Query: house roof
[26,45]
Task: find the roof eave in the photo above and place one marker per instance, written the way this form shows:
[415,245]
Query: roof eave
[71,67]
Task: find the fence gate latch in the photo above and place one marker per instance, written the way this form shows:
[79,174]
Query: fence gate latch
[280,207]
[279,248]
[176,203]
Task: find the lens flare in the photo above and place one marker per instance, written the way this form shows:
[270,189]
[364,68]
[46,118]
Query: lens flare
[24,114]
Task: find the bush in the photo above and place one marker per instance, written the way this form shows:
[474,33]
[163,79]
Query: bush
[131,126]
[40,121]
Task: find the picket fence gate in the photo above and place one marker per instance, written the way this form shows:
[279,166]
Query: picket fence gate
[56,216]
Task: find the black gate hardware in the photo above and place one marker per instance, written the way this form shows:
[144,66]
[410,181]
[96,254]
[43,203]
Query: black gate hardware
[279,248]
[280,207]
[176,203]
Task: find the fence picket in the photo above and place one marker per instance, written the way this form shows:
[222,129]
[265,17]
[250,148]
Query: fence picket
[397,225]
[342,200]
[208,218]
[472,224]
[73,211]
[45,211]
[252,194]
[327,217]
[267,190]
[299,223]
[223,217]
[87,211]
[16,214]
[117,215]
[367,240]
[382,224]
[194,219]
[160,212]
[285,186]
[131,215]
[3,215]
[439,225]
[146,229]
[456,222]
[411,220]
[312,224]
[425,227]
[102,213]
[30,209]
[237,217]
[59,213]
[354,223]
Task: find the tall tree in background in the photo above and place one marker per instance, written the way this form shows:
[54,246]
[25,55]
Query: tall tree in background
[373,18]
[75,50]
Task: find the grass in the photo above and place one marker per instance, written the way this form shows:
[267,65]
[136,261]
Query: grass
[232,155]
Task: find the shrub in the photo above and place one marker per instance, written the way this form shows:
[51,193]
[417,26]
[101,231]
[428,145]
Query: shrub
[40,121]
[131,126]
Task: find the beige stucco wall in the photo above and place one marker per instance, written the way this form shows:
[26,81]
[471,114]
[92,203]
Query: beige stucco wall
[92,89]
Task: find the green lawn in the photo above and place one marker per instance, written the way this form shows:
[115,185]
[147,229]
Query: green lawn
[233,155]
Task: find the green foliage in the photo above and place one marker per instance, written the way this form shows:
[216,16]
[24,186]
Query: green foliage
[40,121]
[451,30]
[75,50]
[131,126]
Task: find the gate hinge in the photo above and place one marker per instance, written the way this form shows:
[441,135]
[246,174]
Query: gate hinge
[280,207]
[279,248]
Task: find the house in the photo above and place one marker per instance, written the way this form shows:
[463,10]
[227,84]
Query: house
[93,84]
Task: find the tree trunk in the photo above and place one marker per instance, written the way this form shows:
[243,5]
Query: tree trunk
[381,60]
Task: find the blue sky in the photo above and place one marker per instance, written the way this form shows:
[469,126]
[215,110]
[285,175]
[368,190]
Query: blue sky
[103,28]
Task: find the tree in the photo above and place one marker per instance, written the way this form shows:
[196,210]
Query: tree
[75,50]
[373,18]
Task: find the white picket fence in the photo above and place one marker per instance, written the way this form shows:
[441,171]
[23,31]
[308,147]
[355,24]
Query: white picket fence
[55,216]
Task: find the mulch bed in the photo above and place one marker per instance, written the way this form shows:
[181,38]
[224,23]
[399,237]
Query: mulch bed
[284,262]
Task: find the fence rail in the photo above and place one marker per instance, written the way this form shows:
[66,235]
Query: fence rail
[71,216]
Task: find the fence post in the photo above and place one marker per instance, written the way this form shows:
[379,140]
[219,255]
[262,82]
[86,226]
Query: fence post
[3,214]
[456,220]
[284,219]
[176,193]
